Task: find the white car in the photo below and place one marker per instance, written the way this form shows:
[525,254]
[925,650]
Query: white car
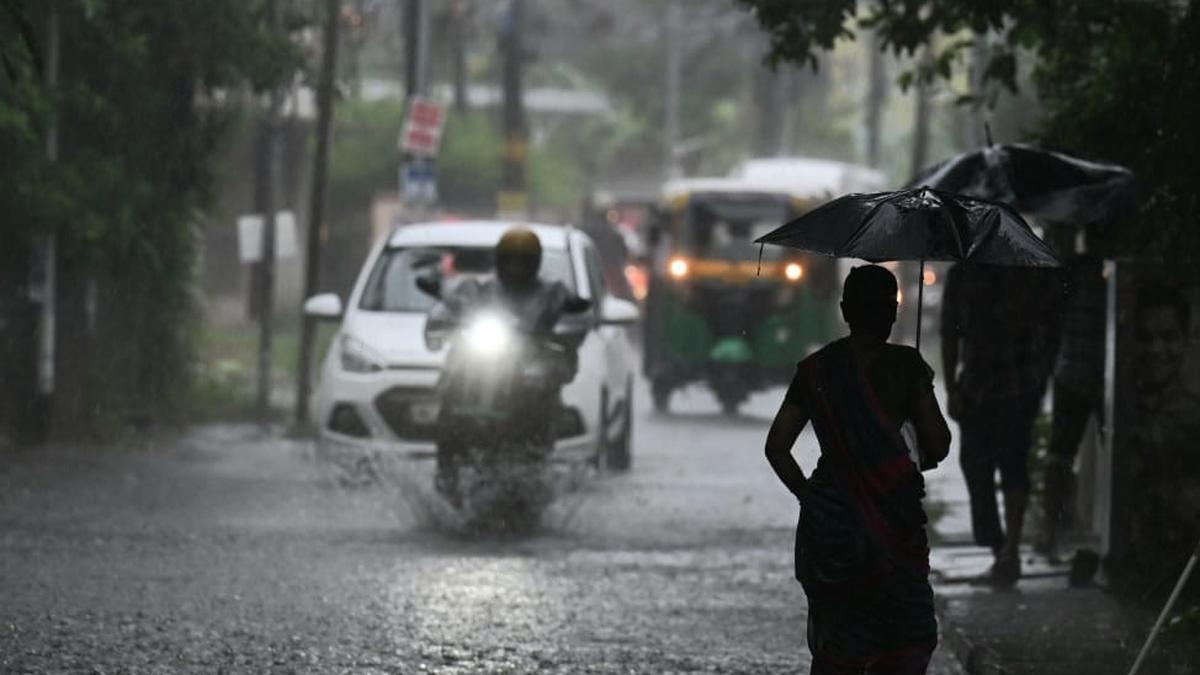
[377,384]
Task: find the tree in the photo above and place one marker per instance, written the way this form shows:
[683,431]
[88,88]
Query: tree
[1116,79]
[141,110]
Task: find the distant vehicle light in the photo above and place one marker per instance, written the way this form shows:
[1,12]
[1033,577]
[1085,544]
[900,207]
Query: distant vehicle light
[793,271]
[678,268]
[930,277]
[638,283]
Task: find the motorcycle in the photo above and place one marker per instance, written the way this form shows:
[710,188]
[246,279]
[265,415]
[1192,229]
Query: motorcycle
[500,395]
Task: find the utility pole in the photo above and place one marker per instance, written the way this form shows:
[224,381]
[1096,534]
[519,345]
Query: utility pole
[412,45]
[978,114]
[265,198]
[674,63]
[771,90]
[513,199]
[920,144]
[316,205]
[416,47]
[458,18]
[418,196]
[876,98]
[47,319]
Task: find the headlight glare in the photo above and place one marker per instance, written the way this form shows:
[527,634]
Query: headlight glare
[488,336]
[679,268]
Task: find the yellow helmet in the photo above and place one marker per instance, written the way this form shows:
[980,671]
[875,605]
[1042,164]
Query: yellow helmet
[518,256]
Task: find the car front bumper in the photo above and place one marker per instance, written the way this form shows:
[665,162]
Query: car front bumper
[386,402]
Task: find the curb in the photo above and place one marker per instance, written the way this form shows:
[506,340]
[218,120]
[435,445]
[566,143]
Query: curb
[975,658]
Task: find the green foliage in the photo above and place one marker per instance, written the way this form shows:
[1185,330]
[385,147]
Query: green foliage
[470,161]
[363,158]
[365,161]
[1116,79]
[223,377]
[139,116]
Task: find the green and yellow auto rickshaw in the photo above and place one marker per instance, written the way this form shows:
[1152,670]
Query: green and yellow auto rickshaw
[716,312]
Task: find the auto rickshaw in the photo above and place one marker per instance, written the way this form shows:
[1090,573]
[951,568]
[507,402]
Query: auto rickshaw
[722,310]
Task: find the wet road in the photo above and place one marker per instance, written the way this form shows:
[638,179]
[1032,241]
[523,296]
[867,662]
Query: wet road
[225,551]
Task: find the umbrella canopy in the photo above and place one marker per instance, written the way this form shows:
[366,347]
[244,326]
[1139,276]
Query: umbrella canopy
[1047,185]
[916,224]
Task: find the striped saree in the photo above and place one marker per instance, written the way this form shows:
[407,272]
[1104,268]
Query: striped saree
[861,551]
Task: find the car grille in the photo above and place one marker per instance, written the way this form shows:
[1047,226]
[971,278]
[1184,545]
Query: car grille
[397,407]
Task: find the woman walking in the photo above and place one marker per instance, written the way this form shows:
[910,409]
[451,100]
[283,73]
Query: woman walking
[861,551]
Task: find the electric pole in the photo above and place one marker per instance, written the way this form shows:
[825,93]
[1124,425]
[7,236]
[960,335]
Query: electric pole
[978,114]
[876,97]
[674,63]
[316,205]
[920,144]
[416,47]
[47,319]
[513,199]
[412,43]
[265,205]
[459,14]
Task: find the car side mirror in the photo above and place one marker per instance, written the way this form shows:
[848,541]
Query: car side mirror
[577,305]
[327,306]
[618,312]
[430,285]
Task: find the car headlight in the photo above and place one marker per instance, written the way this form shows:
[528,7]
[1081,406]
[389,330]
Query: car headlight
[488,336]
[357,357]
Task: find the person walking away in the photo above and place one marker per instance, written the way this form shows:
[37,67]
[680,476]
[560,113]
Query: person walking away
[1000,328]
[1078,391]
[862,554]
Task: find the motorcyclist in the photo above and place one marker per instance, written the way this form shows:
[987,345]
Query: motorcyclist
[539,305]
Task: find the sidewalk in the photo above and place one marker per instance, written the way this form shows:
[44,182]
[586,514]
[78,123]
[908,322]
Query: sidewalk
[1042,626]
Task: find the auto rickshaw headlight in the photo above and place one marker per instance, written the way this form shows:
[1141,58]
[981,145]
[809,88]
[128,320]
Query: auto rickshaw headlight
[793,272]
[678,268]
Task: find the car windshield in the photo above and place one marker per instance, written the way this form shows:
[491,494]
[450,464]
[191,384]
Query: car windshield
[392,284]
[725,226]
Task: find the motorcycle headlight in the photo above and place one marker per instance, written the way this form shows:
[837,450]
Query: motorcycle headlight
[358,358]
[488,336]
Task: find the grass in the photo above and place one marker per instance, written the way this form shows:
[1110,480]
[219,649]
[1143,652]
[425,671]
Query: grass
[226,369]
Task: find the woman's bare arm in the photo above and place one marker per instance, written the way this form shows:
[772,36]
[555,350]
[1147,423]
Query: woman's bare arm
[785,429]
[933,434]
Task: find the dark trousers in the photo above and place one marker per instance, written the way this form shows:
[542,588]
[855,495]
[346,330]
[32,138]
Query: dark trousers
[996,436]
[913,661]
[1072,410]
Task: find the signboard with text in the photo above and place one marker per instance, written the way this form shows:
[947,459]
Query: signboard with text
[422,132]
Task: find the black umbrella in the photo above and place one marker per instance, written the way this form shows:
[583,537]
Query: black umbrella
[1044,184]
[916,224]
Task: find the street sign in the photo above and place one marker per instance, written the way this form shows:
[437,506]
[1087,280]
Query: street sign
[250,236]
[419,178]
[422,133]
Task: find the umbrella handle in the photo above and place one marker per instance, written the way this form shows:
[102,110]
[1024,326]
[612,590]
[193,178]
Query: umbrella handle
[920,301]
